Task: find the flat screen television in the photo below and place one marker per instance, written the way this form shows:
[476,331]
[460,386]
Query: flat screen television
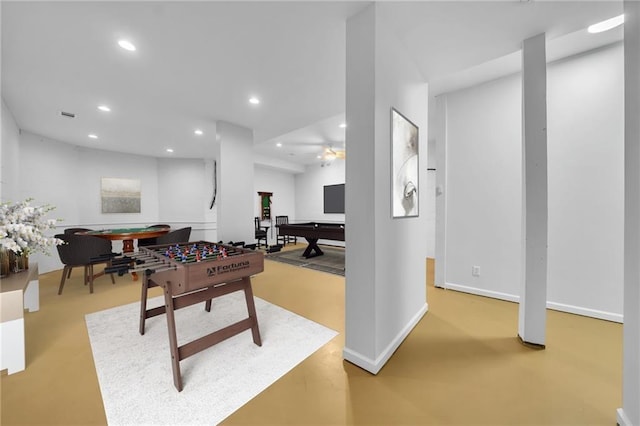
[334,198]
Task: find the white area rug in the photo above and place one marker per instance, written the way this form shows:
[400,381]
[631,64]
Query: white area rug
[135,373]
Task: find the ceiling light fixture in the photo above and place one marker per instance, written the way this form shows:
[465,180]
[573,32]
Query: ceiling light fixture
[198,132]
[104,108]
[169,150]
[93,136]
[279,145]
[343,125]
[253,100]
[126,45]
[606,25]
[330,154]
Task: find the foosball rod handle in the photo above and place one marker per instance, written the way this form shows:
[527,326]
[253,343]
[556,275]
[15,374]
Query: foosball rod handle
[151,271]
[120,270]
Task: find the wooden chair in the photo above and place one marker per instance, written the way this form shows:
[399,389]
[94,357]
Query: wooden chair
[283,220]
[260,234]
[85,251]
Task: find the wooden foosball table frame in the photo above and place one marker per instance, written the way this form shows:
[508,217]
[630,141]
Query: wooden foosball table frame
[188,284]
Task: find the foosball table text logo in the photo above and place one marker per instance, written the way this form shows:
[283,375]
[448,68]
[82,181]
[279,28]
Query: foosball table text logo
[229,267]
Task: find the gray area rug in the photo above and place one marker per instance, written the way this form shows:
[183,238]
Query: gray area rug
[332,261]
[135,373]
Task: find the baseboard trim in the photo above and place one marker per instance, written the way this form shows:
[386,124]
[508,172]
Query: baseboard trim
[374,366]
[593,313]
[482,292]
[561,307]
[622,418]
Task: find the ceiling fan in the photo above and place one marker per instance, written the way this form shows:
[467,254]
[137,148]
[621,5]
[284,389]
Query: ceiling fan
[325,151]
[331,153]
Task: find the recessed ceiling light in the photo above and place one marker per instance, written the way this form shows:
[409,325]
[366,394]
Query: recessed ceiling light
[253,100]
[198,132]
[93,136]
[126,45]
[279,145]
[343,125]
[104,108]
[318,156]
[169,150]
[606,25]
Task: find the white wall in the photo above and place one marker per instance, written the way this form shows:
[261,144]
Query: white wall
[310,192]
[586,181]
[484,186]
[51,173]
[585,154]
[92,165]
[174,191]
[8,155]
[183,202]
[282,185]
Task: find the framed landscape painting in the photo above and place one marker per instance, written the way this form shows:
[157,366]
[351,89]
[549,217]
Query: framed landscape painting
[404,167]
[120,195]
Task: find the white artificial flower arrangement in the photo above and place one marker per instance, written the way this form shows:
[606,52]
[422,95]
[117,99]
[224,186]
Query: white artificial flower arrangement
[22,227]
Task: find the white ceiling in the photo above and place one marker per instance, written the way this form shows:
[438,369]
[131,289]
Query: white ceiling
[199,62]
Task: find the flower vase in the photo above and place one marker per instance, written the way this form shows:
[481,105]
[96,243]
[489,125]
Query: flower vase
[21,262]
[5,263]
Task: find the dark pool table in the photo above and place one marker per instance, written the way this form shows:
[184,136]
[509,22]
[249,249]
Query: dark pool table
[312,232]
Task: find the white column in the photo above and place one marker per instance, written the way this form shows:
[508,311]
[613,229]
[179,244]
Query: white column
[235,202]
[533,297]
[360,312]
[385,291]
[629,414]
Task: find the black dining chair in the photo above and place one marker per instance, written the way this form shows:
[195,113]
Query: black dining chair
[143,242]
[73,231]
[260,233]
[181,235]
[286,239]
[83,251]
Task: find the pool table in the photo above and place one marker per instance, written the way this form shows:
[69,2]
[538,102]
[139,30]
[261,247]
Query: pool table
[312,232]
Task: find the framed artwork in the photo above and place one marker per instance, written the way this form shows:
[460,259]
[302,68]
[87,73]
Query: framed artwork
[120,195]
[404,167]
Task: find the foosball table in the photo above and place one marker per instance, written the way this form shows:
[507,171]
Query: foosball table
[191,273]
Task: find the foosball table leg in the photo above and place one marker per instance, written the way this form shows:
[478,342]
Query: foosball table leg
[143,304]
[173,339]
[251,307]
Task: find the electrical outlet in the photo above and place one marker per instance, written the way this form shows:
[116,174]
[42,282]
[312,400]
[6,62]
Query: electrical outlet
[475,271]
